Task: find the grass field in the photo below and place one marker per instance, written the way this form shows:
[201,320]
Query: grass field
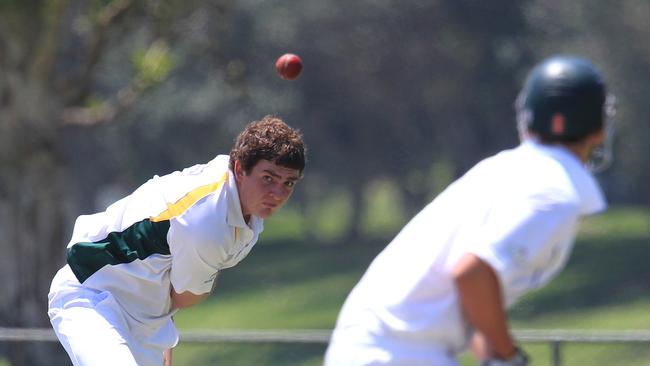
[293,285]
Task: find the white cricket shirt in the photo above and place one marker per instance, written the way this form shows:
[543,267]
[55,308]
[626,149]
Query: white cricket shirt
[517,210]
[176,230]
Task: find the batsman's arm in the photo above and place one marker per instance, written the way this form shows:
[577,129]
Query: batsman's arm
[482,304]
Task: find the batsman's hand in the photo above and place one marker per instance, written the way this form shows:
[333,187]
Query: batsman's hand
[519,359]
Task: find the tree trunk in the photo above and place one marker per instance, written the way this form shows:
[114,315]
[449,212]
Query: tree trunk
[31,224]
[353,234]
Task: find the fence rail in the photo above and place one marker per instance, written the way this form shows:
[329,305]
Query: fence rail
[322,336]
[554,337]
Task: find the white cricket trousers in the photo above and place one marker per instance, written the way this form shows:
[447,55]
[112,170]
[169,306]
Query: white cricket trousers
[91,326]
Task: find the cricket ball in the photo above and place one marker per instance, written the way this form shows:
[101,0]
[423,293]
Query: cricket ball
[288,66]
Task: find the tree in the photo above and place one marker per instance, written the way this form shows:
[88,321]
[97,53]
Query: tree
[393,87]
[52,53]
[612,35]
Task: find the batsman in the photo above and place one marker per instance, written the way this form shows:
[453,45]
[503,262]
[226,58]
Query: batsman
[505,227]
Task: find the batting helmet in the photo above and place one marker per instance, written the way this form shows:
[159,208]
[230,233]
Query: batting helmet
[563,100]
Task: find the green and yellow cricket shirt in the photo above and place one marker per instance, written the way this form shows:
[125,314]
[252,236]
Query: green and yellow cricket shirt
[176,230]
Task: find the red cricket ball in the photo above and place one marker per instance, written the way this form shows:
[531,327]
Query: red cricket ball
[288,66]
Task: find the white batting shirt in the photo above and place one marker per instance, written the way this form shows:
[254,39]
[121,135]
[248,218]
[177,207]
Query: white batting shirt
[517,210]
[176,230]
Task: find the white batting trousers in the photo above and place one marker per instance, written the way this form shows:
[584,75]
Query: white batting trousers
[91,326]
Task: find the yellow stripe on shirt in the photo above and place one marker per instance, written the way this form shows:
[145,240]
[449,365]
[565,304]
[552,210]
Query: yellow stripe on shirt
[187,201]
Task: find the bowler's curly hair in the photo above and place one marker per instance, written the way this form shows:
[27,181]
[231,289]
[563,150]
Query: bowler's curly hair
[269,139]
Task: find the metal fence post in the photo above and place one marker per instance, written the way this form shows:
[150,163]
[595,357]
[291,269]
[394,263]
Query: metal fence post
[556,359]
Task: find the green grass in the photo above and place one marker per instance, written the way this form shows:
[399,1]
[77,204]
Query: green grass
[301,286]
[608,269]
[276,287]
[281,286]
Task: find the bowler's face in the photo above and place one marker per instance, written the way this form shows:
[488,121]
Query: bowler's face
[265,188]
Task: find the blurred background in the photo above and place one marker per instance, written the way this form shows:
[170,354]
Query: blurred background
[396,99]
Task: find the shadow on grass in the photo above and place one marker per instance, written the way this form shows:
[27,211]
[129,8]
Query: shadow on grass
[599,273]
[237,354]
[289,263]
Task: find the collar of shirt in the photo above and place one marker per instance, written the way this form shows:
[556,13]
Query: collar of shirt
[591,195]
[235,215]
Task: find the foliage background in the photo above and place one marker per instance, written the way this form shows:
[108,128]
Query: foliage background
[396,100]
